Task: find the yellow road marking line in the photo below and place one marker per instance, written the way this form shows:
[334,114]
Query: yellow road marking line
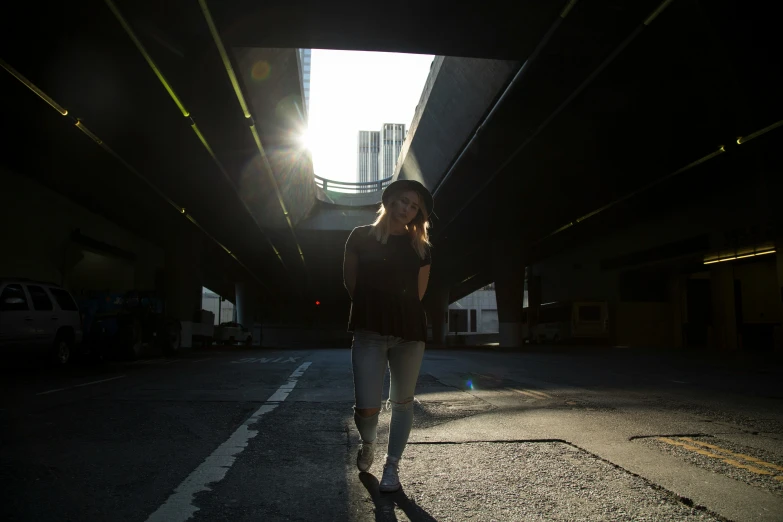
[733,454]
[706,453]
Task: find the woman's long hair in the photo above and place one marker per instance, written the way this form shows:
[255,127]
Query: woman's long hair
[418,228]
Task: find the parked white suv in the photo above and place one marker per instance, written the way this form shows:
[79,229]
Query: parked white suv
[38,318]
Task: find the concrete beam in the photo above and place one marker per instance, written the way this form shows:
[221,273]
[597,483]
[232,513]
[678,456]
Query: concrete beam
[457,94]
[331,217]
[424,27]
[346,199]
[271,80]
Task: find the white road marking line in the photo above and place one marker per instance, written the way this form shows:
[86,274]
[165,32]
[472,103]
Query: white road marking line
[532,393]
[201,360]
[247,359]
[264,360]
[524,393]
[540,394]
[179,506]
[80,385]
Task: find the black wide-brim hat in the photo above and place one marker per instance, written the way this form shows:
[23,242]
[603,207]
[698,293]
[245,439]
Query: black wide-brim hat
[410,184]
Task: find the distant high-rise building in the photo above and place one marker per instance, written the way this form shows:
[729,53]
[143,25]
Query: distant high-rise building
[305,57]
[392,138]
[367,158]
[378,153]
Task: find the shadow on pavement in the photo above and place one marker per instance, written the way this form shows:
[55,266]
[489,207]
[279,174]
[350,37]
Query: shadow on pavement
[385,502]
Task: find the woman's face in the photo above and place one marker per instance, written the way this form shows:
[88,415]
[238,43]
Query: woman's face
[405,207]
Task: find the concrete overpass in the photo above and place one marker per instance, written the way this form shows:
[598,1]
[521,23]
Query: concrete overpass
[546,117]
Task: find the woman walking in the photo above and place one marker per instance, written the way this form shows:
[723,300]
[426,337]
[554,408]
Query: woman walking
[386,269]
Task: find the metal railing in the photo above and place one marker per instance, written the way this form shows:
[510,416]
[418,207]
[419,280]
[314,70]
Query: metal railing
[358,187]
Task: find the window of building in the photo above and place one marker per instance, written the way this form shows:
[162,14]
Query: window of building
[473,320]
[489,321]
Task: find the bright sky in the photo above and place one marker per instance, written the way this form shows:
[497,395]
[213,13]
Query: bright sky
[352,91]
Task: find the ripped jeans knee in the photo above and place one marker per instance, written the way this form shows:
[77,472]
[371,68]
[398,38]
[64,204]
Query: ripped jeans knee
[366,424]
[404,405]
[366,412]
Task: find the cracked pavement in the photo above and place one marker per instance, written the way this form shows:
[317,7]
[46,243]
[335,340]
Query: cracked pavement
[246,435]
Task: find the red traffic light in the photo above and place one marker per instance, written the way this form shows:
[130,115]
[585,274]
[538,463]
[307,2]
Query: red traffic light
[317,303]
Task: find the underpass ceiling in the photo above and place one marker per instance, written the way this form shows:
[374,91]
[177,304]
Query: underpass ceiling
[505,31]
[100,76]
[51,150]
[668,99]
[589,33]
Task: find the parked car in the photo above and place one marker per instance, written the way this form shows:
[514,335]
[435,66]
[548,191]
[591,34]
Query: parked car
[232,333]
[38,318]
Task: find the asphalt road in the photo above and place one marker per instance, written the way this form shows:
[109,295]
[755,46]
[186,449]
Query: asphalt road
[268,435]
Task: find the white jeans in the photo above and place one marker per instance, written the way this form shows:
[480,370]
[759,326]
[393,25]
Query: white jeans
[370,355]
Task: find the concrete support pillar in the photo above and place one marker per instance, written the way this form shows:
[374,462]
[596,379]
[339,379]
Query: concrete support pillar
[510,292]
[246,304]
[533,283]
[779,290]
[182,277]
[724,319]
[438,312]
[677,287]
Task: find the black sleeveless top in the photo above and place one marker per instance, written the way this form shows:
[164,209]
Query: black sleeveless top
[386,296]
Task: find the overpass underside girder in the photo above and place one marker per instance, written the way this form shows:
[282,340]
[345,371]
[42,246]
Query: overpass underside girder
[695,78]
[575,136]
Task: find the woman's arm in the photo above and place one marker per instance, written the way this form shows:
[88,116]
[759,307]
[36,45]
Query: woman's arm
[350,263]
[424,278]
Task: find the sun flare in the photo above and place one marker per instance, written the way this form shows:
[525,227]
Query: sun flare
[305,140]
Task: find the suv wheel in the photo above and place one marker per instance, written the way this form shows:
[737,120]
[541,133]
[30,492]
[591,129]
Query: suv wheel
[62,349]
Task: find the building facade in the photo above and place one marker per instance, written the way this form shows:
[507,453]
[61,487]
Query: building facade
[367,157]
[475,313]
[378,152]
[392,138]
[305,58]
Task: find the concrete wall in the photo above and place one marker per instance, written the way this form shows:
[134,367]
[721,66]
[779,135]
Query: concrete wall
[223,311]
[760,302]
[485,304]
[644,324]
[37,224]
[577,274]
